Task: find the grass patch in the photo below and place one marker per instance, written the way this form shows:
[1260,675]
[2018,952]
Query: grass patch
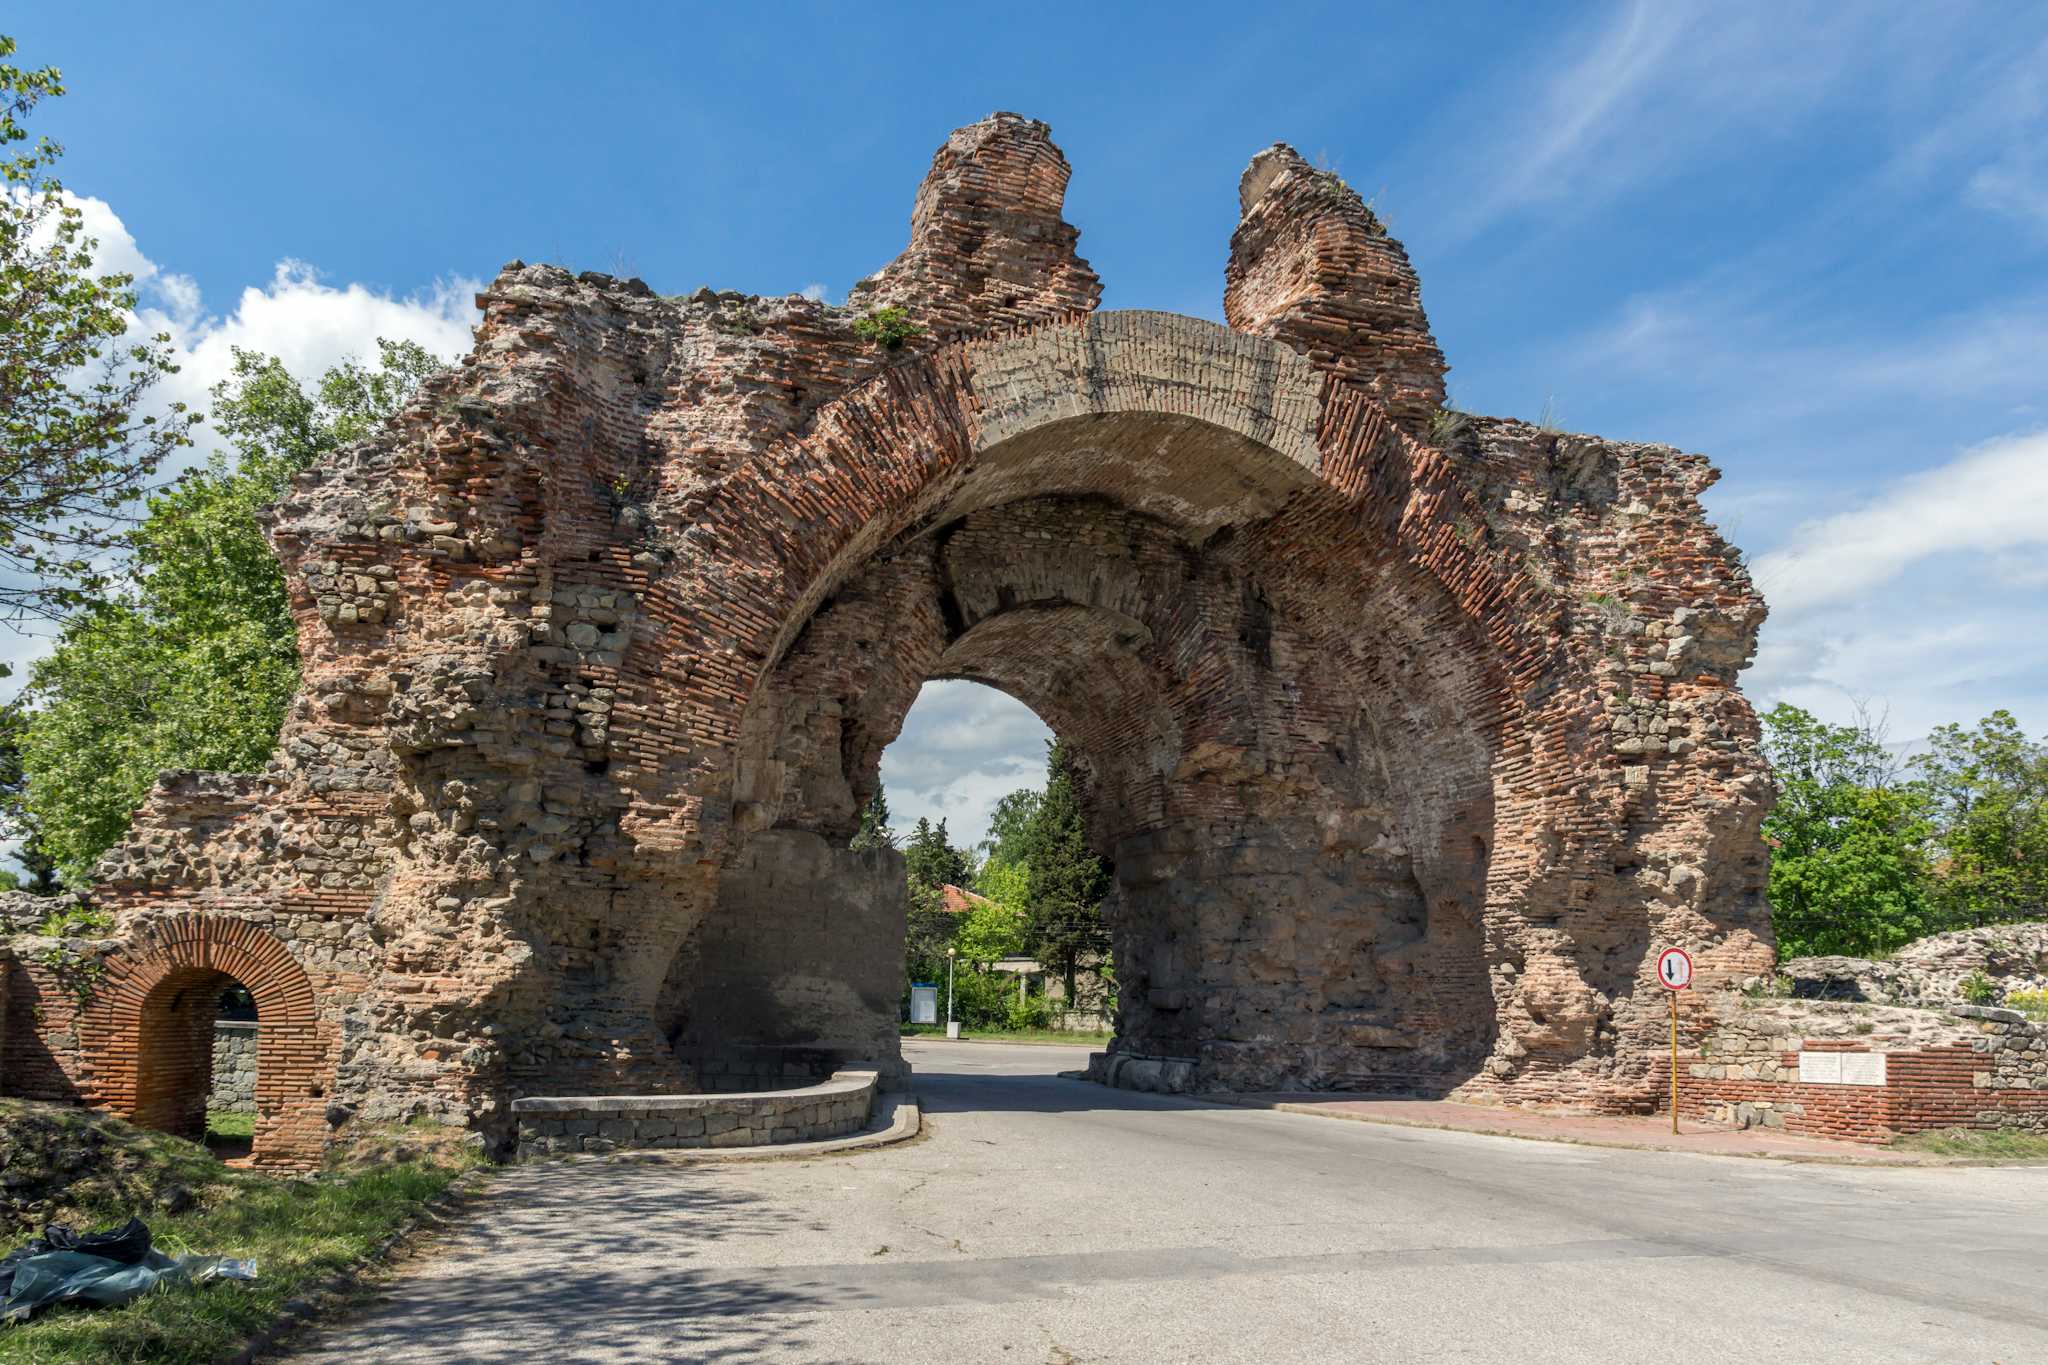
[300,1231]
[230,1125]
[1999,1144]
[997,1035]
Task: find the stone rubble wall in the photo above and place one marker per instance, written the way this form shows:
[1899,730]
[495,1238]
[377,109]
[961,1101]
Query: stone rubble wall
[556,1127]
[1930,971]
[234,1067]
[1908,1070]
[802,967]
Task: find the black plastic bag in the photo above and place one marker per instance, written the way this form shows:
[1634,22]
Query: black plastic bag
[127,1244]
[124,1245]
[103,1268]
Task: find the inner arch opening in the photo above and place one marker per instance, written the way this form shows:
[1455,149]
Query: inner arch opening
[1276,820]
[1005,890]
[196,1060]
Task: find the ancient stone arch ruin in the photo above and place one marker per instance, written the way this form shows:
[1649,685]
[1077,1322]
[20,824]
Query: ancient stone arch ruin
[1411,735]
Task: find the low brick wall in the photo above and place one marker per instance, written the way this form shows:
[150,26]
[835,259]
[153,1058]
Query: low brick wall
[1865,1074]
[607,1123]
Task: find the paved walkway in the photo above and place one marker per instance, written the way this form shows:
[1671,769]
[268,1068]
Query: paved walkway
[1649,1133]
[1049,1220]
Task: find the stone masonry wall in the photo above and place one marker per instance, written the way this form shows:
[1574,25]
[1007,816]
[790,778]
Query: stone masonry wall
[1868,1074]
[234,1067]
[800,970]
[556,1127]
[1413,739]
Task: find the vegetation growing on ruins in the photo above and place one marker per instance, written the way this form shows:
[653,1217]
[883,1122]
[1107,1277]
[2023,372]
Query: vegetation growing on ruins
[1870,853]
[1447,424]
[887,327]
[2033,1004]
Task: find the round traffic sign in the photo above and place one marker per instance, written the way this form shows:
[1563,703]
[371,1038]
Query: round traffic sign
[1674,969]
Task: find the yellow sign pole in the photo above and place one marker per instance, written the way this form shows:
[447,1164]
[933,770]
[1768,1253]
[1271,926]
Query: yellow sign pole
[1674,1060]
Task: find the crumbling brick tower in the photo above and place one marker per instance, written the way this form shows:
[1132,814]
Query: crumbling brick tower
[1411,736]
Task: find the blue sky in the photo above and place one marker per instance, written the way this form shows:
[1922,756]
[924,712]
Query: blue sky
[1810,241]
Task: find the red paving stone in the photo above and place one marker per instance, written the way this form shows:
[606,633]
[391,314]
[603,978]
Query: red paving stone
[1649,1133]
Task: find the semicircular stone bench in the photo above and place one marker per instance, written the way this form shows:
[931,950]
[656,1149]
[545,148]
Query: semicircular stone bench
[609,1123]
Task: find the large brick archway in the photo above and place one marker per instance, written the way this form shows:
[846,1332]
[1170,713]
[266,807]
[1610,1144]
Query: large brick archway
[146,1038]
[1411,734]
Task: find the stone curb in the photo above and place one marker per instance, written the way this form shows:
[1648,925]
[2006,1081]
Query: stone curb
[898,1118]
[295,1315]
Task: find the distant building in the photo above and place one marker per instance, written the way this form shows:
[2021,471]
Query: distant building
[957,900]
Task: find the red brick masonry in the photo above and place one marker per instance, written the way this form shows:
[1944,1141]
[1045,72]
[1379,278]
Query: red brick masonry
[1996,1076]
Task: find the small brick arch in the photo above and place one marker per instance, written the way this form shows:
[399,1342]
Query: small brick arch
[140,1039]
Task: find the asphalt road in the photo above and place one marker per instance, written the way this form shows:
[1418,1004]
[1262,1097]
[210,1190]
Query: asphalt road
[1054,1221]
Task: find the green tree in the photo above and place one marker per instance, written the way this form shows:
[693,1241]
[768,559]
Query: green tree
[874,831]
[1989,793]
[931,862]
[1008,884]
[1065,881]
[193,664]
[76,451]
[1010,825]
[39,870]
[1848,870]
[990,932]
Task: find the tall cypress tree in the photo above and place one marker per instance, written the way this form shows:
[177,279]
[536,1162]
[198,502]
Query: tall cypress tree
[1066,881]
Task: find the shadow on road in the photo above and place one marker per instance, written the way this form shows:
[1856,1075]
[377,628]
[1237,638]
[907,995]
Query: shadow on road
[549,1262]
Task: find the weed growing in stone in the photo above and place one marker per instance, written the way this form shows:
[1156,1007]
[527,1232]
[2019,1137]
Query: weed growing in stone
[887,327]
[1978,989]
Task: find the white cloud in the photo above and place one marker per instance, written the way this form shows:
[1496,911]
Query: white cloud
[309,325]
[1990,500]
[1718,336]
[814,292]
[1987,133]
[1949,98]
[2016,184]
[1639,96]
[1926,597]
[963,748]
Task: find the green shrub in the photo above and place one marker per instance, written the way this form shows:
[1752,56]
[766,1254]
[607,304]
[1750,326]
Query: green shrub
[1978,989]
[1028,1013]
[981,1000]
[2031,1003]
[887,327]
